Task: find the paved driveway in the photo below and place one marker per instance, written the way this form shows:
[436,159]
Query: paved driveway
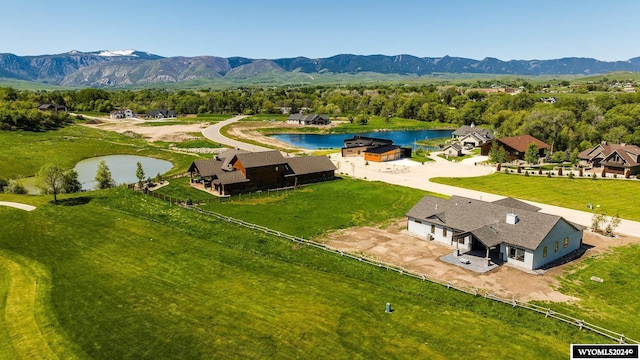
[213,133]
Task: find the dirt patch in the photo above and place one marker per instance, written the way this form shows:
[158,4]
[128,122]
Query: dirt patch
[394,246]
[248,131]
[166,133]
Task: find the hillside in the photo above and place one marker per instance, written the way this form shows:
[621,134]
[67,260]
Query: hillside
[134,68]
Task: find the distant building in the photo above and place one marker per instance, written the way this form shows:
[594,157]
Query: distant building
[516,146]
[472,135]
[359,144]
[453,149]
[614,158]
[374,149]
[311,119]
[161,114]
[52,107]
[122,114]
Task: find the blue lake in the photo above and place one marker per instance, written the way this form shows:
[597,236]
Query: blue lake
[403,138]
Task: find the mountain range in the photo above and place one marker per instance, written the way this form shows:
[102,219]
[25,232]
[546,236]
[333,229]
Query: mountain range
[130,68]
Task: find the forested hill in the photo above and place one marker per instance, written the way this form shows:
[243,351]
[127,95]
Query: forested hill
[135,68]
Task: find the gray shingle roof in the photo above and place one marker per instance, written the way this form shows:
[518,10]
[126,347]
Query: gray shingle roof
[310,164]
[516,204]
[263,158]
[487,221]
[467,129]
[206,167]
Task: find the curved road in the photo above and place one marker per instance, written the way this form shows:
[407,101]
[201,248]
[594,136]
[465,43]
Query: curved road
[213,133]
[412,174]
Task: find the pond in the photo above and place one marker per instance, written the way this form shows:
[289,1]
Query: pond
[317,141]
[122,167]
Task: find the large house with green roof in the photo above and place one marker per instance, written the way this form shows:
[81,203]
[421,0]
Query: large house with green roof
[504,231]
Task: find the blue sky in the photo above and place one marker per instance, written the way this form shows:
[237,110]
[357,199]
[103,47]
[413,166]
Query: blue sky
[504,29]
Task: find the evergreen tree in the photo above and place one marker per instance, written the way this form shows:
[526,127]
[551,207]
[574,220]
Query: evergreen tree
[103,176]
[139,174]
[70,182]
[532,155]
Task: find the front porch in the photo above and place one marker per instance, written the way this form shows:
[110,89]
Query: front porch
[199,185]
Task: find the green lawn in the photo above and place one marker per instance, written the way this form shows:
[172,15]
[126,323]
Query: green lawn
[615,300]
[23,153]
[133,277]
[313,209]
[608,196]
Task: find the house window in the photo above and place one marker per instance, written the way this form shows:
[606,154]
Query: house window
[544,251]
[566,242]
[516,253]
[418,221]
[460,240]
[444,232]
[276,168]
[433,229]
[555,247]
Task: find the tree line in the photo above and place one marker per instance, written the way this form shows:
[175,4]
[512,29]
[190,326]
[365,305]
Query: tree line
[574,121]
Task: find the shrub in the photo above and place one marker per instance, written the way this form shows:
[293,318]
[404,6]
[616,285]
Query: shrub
[615,176]
[15,187]
[549,173]
[593,176]
[570,175]
[526,173]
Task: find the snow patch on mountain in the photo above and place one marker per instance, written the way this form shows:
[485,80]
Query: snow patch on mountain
[129,52]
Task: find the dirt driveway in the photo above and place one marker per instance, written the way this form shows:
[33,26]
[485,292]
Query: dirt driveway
[393,245]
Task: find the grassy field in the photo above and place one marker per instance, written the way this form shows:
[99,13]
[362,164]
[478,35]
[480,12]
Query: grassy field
[608,196]
[306,211]
[132,277]
[23,153]
[614,301]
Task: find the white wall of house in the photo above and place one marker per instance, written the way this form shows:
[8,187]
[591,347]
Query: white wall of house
[526,262]
[534,259]
[423,229]
[468,139]
[561,231]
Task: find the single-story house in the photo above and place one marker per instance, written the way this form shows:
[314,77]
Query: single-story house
[235,171]
[383,153]
[122,114]
[161,114]
[506,231]
[52,107]
[359,144]
[311,119]
[453,149]
[615,158]
[516,146]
